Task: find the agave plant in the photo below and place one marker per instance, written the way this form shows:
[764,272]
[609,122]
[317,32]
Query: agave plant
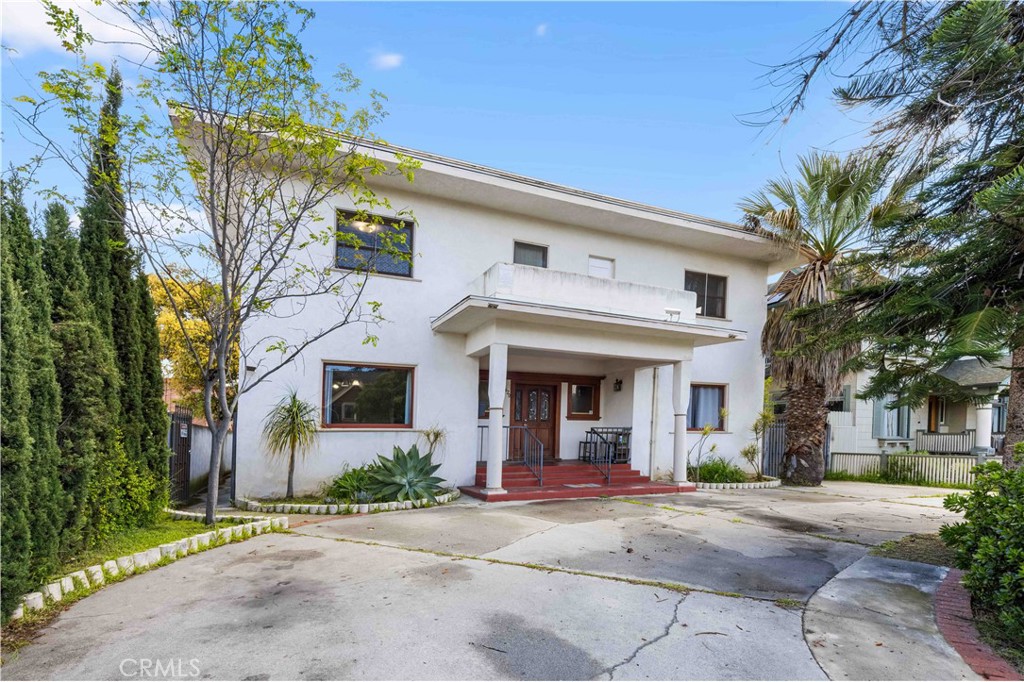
[407,475]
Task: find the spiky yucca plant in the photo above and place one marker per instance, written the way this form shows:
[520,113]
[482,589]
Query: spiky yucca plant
[290,429]
[407,475]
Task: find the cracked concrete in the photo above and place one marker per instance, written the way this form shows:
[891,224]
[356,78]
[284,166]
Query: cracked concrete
[389,602]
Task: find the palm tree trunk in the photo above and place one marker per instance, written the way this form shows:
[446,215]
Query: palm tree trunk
[806,421]
[291,474]
[1014,408]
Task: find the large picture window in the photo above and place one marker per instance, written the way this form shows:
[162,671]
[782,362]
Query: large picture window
[707,402]
[890,423]
[710,290]
[364,395]
[375,244]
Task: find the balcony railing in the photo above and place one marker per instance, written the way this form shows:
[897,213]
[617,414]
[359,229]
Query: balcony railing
[945,443]
[600,294]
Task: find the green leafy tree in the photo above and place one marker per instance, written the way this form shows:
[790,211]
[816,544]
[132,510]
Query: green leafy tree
[46,510]
[825,212]
[943,81]
[289,430]
[95,473]
[15,442]
[124,309]
[232,187]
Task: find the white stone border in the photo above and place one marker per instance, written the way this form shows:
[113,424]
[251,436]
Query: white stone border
[95,577]
[254,506]
[749,485]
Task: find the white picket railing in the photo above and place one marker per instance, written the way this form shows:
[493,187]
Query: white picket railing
[946,443]
[912,467]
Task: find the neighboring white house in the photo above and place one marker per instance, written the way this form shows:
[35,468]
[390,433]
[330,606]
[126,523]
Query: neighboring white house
[938,426]
[527,304]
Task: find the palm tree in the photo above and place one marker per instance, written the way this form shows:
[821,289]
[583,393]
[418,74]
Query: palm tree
[290,428]
[826,212]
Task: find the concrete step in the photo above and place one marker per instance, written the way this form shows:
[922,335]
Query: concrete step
[561,492]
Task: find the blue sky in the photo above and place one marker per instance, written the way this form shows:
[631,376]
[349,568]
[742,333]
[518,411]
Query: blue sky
[639,101]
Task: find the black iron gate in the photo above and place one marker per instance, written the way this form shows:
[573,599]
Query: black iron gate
[775,448]
[180,441]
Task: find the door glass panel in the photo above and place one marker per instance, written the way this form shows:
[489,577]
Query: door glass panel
[545,398]
[531,412]
[519,405]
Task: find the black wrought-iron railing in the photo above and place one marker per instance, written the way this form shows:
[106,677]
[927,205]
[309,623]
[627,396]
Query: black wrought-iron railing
[602,454]
[519,445]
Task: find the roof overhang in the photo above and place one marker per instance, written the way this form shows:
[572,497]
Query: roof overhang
[474,312]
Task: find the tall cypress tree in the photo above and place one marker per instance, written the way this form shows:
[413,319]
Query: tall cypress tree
[88,379]
[15,442]
[46,512]
[124,311]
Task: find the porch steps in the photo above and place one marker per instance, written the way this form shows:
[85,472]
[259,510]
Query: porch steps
[568,480]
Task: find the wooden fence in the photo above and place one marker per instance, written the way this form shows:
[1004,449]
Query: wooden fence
[775,447]
[911,468]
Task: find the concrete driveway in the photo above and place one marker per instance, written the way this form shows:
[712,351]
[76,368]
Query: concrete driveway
[707,585]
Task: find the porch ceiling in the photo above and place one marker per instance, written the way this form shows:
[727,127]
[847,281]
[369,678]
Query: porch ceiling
[475,314]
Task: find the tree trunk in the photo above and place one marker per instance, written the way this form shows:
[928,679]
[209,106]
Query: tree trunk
[806,421]
[291,475]
[218,433]
[1014,408]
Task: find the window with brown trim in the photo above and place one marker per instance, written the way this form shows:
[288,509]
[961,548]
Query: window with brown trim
[361,396]
[584,401]
[707,404]
[373,243]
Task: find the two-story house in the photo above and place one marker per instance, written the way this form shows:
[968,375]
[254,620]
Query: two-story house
[536,323]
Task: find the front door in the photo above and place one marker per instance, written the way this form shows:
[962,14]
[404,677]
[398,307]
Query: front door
[534,406]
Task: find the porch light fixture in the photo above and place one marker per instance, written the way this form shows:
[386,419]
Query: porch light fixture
[673,313]
[492,305]
[617,385]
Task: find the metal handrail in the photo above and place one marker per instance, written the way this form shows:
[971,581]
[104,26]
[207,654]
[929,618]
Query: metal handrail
[604,461]
[531,447]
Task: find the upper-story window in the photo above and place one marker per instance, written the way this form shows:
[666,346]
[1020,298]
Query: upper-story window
[710,290]
[530,254]
[601,267]
[374,243]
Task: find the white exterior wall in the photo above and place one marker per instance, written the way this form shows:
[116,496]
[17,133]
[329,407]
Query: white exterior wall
[454,244]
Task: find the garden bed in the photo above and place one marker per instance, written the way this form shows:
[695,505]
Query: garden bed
[333,508]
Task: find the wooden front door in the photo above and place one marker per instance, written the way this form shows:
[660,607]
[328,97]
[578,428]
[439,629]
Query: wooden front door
[535,406]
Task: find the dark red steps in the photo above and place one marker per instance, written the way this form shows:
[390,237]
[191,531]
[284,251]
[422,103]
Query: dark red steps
[561,480]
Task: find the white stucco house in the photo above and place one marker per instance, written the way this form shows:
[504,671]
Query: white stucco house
[532,316]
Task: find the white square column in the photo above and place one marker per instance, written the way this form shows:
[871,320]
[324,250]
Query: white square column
[680,403]
[497,370]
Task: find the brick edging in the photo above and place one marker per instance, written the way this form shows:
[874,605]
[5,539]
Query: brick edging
[955,619]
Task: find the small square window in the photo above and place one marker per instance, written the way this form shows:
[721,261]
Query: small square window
[585,400]
[707,407]
[601,267]
[373,244]
[530,254]
[710,290]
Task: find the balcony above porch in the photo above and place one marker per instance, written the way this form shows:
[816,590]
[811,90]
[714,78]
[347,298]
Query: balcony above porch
[524,295]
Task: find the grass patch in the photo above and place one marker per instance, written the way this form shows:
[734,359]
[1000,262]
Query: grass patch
[926,548]
[787,603]
[165,530]
[1009,645]
[877,478]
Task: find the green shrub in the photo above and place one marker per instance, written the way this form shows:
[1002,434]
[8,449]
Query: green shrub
[406,476]
[989,542]
[717,470]
[352,487]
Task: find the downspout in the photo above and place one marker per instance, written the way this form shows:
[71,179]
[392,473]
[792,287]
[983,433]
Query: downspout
[654,422]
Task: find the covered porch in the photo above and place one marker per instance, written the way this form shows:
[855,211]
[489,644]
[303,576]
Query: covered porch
[559,355]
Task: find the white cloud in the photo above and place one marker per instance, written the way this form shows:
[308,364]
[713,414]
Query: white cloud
[385,61]
[25,30]
[541,30]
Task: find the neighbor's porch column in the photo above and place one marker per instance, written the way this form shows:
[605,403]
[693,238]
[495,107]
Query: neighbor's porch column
[496,371]
[680,402]
[983,429]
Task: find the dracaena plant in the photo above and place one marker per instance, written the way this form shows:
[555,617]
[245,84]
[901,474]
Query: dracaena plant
[406,475]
